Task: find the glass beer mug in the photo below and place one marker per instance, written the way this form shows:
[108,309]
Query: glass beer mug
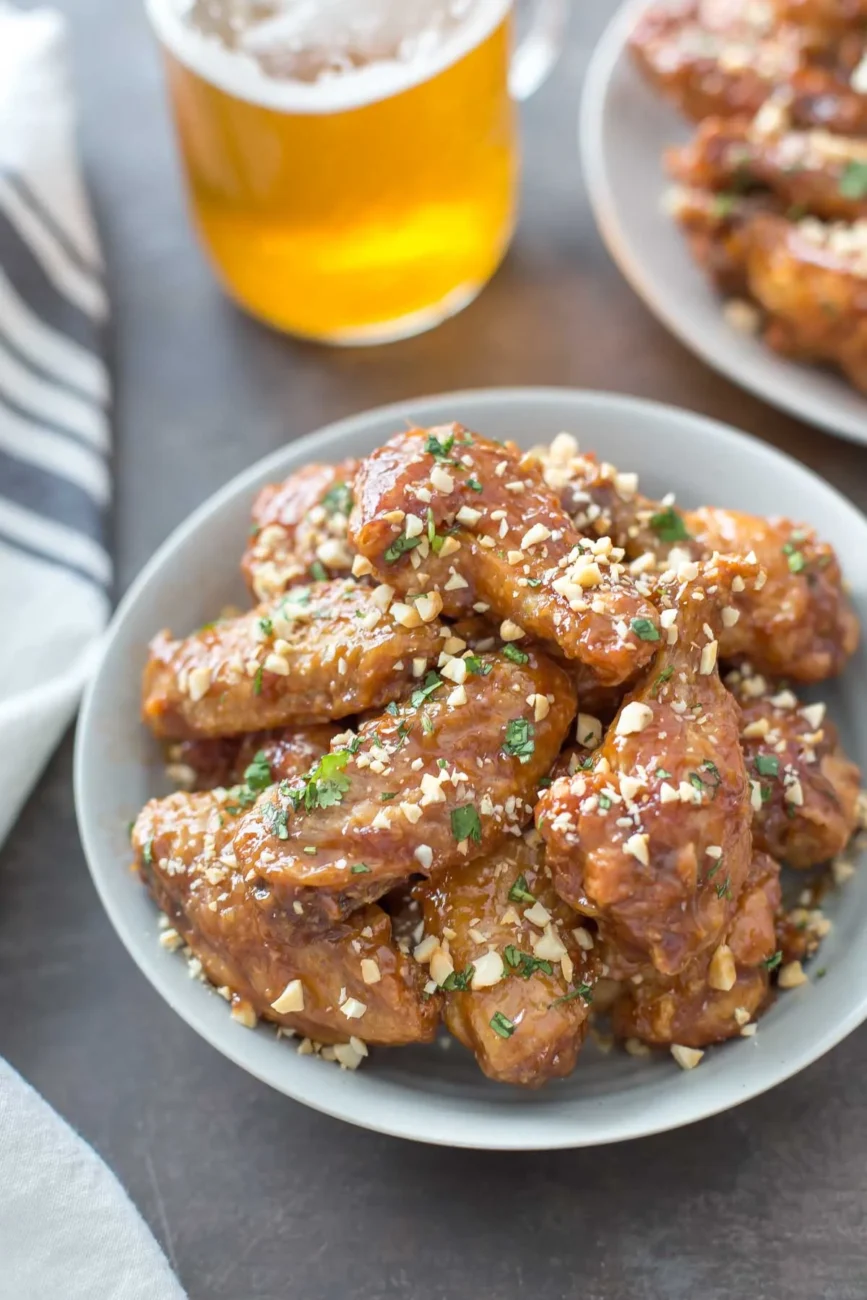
[352,164]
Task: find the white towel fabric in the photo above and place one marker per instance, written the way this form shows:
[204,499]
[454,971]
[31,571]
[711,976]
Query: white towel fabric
[67,1229]
[54,441]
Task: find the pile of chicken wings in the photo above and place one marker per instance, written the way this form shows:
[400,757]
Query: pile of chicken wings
[771,192]
[470,759]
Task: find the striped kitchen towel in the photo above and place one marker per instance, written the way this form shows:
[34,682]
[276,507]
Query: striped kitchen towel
[55,571]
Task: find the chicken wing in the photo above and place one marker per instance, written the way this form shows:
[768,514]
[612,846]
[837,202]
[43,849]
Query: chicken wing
[800,624]
[485,508]
[299,530]
[352,982]
[728,59]
[717,996]
[517,982]
[278,755]
[438,780]
[807,171]
[320,652]
[804,788]
[810,279]
[654,840]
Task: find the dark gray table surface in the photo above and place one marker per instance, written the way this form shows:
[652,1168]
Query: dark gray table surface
[252,1196]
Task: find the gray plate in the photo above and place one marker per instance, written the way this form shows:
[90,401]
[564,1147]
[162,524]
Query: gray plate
[625,127]
[436,1093]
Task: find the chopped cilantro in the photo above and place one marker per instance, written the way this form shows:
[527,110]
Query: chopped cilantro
[257,681]
[715,868]
[665,676]
[465,823]
[431,683]
[360,869]
[534,582]
[644,629]
[767,765]
[853,180]
[545,783]
[258,774]
[427,725]
[797,562]
[439,450]
[517,656]
[715,775]
[724,890]
[477,665]
[354,745]
[519,893]
[458,981]
[583,991]
[266,627]
[147,853]
[772,962]
[318,571]
[669,526]
[662,774]
[723,205]
[502,1025]
[400,546]
[392,709]
[519,742]
[275,820]
[473,484]
[524,963]
[696,781]
[604,802]
[338,499]
[388,796]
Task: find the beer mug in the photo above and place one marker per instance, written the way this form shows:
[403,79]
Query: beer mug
[352,165]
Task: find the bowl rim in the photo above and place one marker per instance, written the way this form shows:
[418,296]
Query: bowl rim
[759,377]
[729,1093]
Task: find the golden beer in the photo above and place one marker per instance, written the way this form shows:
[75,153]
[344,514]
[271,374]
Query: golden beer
[351,185]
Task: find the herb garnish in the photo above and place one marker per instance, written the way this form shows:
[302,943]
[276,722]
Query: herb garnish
[796,559]
[266,627]
[669,526]
[517,656]
[318,571]
[257,681]
[477,665]
[519,893]
[644,629]
[458,981]
[338,499]
[665,676]
[400,546]
[519,742]
[583,991]
[524,963]
[465,823]
[258,775]
[767,765]
[147,853]
[853,181]
[431,683]
[439,450]
[360,869]
[502,1025]
[772,962]
[276,820]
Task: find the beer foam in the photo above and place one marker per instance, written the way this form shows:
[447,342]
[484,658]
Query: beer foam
[239,72]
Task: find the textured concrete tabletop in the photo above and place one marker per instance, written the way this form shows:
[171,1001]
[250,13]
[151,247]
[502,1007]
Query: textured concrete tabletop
[253,1197]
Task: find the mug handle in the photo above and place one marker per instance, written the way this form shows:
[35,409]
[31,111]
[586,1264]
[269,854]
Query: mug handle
[536,52]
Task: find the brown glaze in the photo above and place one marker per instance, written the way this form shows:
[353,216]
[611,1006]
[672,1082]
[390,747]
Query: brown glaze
[298,526]
[545,1009]
[690,1010]
[804,788]
[223,761]
[654,841]
[336,650]
[183,847]
[799,624]
[507,543]
[405,777]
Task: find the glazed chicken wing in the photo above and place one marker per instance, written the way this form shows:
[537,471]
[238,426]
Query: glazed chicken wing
[810,279]
[804,789]
[721,993]
[299,530]
[281,754]
[714,59]
[654,840]
[438,780]
[320,652]
[517,981]
[798,624]
[352,982]
[806,171]
[484,508]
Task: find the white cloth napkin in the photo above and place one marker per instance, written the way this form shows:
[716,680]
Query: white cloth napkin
[67,1229]
[54,442]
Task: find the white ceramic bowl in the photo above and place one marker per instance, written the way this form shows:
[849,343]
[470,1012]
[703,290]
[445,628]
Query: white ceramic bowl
[436,1094]
[625,127]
